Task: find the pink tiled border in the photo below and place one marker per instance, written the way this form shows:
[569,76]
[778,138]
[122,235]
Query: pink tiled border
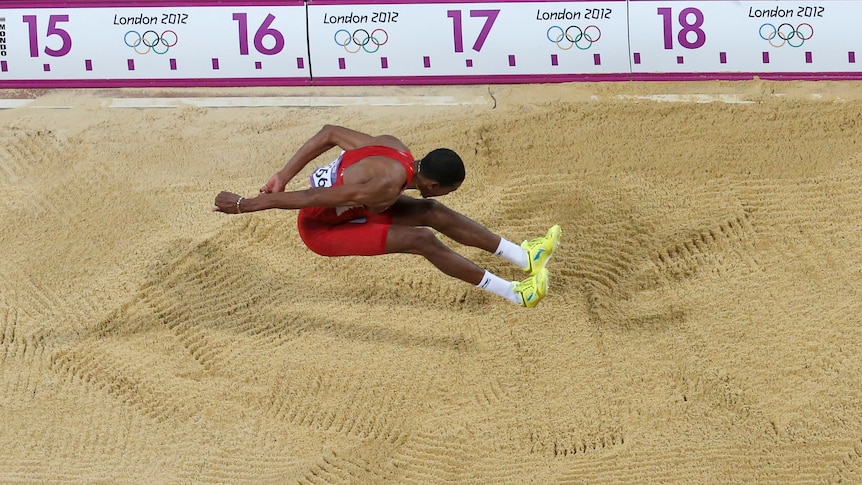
[371,80]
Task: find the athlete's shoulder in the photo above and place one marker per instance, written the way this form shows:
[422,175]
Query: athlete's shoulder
[389,141]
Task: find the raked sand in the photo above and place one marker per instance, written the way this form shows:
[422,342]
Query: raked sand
[703,323]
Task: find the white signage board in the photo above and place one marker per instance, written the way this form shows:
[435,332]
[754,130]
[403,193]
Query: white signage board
[110,45]
[446,41]
[715,38]
[116,43]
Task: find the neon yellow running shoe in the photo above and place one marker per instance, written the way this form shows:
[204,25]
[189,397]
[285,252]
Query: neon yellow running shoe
[533,289]
[540,250]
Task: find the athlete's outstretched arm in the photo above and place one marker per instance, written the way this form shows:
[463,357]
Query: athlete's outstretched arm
[328,137]
[372,193]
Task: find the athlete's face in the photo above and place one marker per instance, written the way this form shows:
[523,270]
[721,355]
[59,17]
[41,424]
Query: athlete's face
[429,188]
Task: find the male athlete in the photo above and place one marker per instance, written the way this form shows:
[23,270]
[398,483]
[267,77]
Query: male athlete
[356,207]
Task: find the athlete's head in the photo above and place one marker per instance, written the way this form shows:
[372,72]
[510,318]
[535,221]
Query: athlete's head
[439,173]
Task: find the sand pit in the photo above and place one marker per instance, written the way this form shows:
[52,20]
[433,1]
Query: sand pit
[703,323]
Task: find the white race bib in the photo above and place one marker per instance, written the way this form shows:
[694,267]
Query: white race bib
[325,176]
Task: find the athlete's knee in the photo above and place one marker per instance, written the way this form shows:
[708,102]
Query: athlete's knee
[420,240]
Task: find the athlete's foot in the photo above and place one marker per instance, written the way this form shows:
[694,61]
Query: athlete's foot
[539,250]
[533,289]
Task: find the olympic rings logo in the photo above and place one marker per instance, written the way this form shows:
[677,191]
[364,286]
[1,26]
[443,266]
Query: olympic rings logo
[786,34]
[151,41]
[574,36]
[361,39]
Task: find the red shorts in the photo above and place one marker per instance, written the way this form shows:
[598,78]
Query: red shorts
[366,238]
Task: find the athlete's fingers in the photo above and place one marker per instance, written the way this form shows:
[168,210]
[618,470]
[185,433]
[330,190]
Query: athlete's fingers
[272,185]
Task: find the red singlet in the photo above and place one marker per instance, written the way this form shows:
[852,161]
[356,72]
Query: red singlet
[348,231]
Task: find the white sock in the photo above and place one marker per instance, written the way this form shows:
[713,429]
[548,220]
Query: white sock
[512,253]
[499,286]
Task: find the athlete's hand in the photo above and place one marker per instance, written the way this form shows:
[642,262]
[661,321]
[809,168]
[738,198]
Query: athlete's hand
[274,184]
[227,202]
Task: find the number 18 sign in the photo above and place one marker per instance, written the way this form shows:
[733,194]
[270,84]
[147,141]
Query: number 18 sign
[702,38]
[196,44]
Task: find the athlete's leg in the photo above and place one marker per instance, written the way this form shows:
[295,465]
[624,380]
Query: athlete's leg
[408,211]
[377,235]
[425,212]
[421,241]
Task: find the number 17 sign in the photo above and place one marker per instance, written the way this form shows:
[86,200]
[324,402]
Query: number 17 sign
[509,40]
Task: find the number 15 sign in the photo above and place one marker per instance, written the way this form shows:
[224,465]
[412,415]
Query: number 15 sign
[72,44]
